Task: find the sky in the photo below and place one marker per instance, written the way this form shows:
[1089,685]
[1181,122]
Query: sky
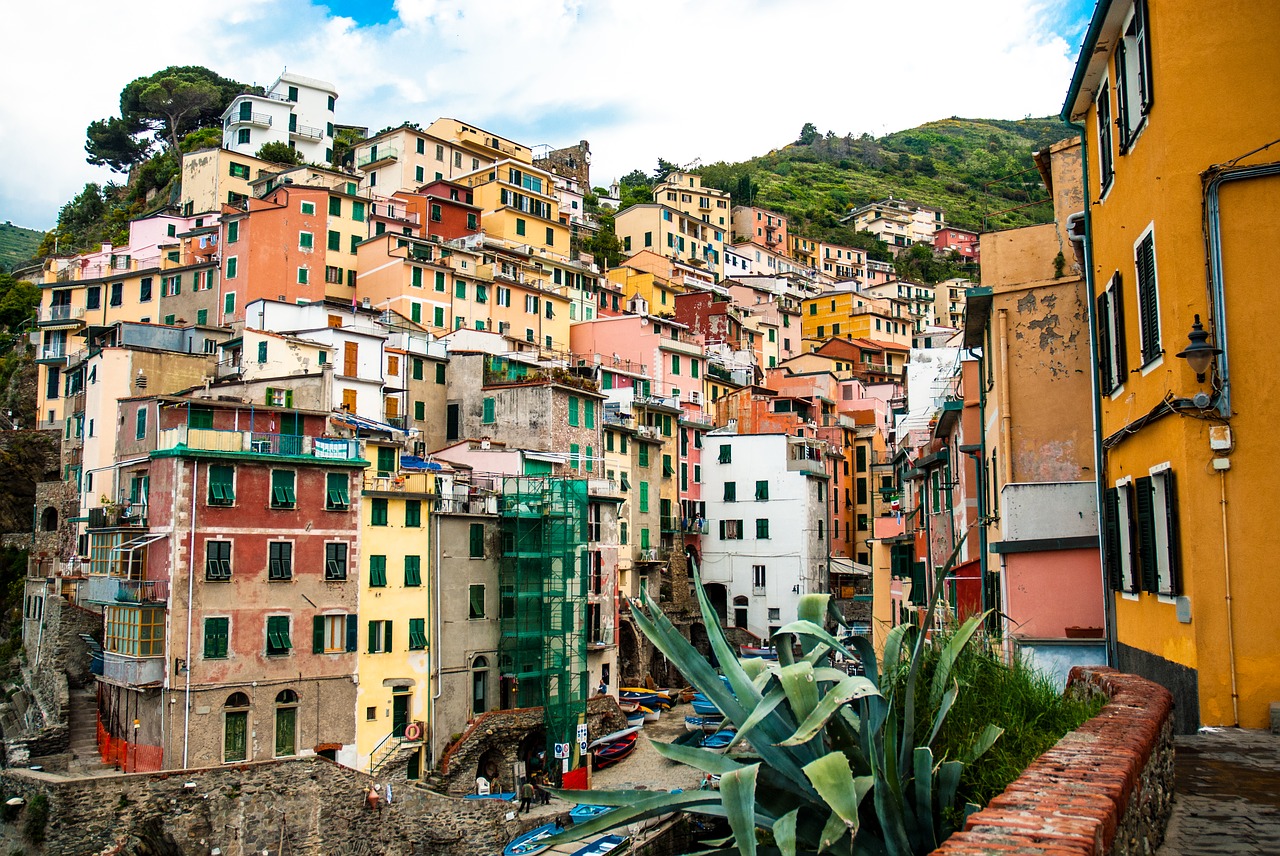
[686,80]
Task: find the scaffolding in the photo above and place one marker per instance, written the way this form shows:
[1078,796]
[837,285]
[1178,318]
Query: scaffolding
[543,584]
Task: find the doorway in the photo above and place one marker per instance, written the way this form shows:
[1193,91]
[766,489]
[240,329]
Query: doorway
[400,710]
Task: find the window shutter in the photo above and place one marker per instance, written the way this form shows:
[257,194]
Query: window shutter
[1144,501]
[317,634]
[1149,320]
[1145,90]
[373,637]
[721,530]
[1111,524]
[1171,531]
[388,637]
[1122,94]
[353,632]
[1118,348]
[1102,312]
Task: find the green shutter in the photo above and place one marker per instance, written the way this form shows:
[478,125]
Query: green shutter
[573,410]
[317,634]
[644,496]
[1111,534]
[1144,496]
[477,541]
[377,571]
[590,407]
[762,490]
[353,631]
[412,571]
[488,417]
[215,637]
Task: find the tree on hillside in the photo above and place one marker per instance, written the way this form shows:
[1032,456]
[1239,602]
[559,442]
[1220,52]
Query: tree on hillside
[165,105]
[278,152]
[665,168]
[808,135]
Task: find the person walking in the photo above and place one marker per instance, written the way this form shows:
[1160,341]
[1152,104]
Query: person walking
[526,796]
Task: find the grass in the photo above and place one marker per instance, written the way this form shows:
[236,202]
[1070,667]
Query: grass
[1023,701]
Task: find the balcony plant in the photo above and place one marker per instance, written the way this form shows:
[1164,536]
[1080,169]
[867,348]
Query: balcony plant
[837,763]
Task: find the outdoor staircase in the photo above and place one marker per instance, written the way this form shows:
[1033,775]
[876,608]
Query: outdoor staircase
[82,715]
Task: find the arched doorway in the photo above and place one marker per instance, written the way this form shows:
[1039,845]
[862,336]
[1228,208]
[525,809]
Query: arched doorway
[49,520]
[740,611]
[490,766]
[628,653]
[479,685]
[286,723]
[533,749]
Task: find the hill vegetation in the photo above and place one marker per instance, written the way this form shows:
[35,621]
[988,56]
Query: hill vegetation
[17,245]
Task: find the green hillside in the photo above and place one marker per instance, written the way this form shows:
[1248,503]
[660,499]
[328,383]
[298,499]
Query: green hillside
[979,171]
[17,244]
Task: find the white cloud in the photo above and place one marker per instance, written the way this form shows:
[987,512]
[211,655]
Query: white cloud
[673,78]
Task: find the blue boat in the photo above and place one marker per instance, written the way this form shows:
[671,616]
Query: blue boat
[703,706]
[703,723]
[531,841]
[582,813]
[508,796]
[719,741]
[604,844]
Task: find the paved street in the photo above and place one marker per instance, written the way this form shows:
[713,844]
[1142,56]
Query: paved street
[1228,795]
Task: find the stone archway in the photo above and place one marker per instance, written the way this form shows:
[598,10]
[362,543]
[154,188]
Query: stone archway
[629,665]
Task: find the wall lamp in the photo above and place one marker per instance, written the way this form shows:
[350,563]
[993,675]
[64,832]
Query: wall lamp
[1200,352]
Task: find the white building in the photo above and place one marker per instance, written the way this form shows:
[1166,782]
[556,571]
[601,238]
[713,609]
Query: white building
[295,110]
[766,498]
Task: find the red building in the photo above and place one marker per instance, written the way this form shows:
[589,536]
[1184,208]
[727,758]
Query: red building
[444,209]
[230,591]
[962,241]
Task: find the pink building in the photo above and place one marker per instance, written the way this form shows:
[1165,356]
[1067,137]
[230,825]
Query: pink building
[759,226]
[962,241]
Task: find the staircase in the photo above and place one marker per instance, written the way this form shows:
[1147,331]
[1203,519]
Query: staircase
[82,713]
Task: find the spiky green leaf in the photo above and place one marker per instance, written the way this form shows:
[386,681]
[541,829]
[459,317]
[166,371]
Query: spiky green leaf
[852,687]
[738,796]
[784,832]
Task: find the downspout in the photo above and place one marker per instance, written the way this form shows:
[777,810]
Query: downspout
[435,643]
[1099,454]
[191,552]
[1006,417]
[981,475]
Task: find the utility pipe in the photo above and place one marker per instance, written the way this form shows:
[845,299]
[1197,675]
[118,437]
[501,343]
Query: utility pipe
[1006,417]
[191,582]
[435,643]
[1226,578]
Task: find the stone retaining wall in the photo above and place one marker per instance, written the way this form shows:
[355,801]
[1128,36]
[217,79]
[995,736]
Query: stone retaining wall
[1105,789]
[305,807]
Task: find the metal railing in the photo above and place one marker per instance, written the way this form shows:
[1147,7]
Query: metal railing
[118,590]
[56,352]
[263,119]
[381,153]
[307,132]
[254,442]
[132,671]
[61,313]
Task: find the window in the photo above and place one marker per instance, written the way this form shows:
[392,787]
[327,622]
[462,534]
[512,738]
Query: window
[475,600]
[380,637]
[573,411]
[1106,171]
[417,634]
[278,635]
[216,631]
[280,560]
[217,561]
[476,541]
[144,290]
[1133,77]
[762,527]
[307,207]
[333,634]
[336,492]
[244,138]
[335,561]
[589,412]
[726,454]
[221,485]
[304,275]
[1112,363]
[378,512]
[519,226]
[282,484]
[644,496]
[762,491]
[413,511]
[357,211]
[439,373]
[377,571]
[758,577]
[487,416]
[730,491]
[551,236]
[730,530]
[235,726]
[412,571]
[1144,259]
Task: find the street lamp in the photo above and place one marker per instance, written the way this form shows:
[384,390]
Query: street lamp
[1199,353]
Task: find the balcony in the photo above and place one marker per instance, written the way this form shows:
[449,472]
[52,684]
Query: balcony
[52,354]
[386,210]
[261,120]
[377,156]
[401,482]
[806,465]
[695,526]
[109,590]
[185,438]
[650,432]
[603,487]
[60,314]
[305,132]
[117,517]
[132,671]
[670,524]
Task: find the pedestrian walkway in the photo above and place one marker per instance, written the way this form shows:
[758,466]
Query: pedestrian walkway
[1227,795]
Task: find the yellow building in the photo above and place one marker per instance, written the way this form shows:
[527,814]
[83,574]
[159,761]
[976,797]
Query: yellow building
[1176,102]
[659,292]
[519,204]
[673,233]
[684,192]
[212,178]
[850,314]
[394,609]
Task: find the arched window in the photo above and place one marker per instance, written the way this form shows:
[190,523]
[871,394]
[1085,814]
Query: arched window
[49,520]
[286,723]
[479,685]
[740,611]
[235,728]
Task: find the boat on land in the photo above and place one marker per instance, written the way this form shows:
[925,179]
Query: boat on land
[610,753]
[649,698]
[532,841]
[585,812]
[605,844]
[614,737]
[505,796]
[719,741]
[703,723]
[763,653]
[703,706]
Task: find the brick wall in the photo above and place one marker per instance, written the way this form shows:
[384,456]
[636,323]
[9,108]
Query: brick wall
[1105,789]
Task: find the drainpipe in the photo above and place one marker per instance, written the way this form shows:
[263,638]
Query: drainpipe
[191,551]
[1006,417]
[1099,454]
[1226,578]
[435,643]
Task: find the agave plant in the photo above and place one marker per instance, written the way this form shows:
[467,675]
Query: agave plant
[819,740]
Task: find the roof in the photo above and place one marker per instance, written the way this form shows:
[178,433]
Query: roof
[1094,53]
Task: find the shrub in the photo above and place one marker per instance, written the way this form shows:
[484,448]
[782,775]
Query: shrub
[37,818]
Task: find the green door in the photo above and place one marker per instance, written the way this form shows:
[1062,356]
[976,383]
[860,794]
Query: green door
[286,731]
[399,713]
[290,434]
[235,741]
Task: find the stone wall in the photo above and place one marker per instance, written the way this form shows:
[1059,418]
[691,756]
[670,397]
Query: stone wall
[300,806]
[1105,789]
[500,733]
[572,161]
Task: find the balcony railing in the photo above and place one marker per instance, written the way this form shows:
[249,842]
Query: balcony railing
[254,442]
[603,487]
[54,352]
[670,524]
[307,132]
[132,671]
[399,482]
[98,589]
[393,211]
[61,313]
[694,526]
[381,153]
[108,518]
[262,120]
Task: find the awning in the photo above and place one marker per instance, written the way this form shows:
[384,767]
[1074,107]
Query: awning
[140,541]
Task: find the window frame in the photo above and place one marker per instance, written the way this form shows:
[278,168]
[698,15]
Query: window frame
[279,561]
[282,645]
[335,561]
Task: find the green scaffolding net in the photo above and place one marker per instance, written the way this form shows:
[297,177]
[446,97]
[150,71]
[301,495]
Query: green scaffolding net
[543,582]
